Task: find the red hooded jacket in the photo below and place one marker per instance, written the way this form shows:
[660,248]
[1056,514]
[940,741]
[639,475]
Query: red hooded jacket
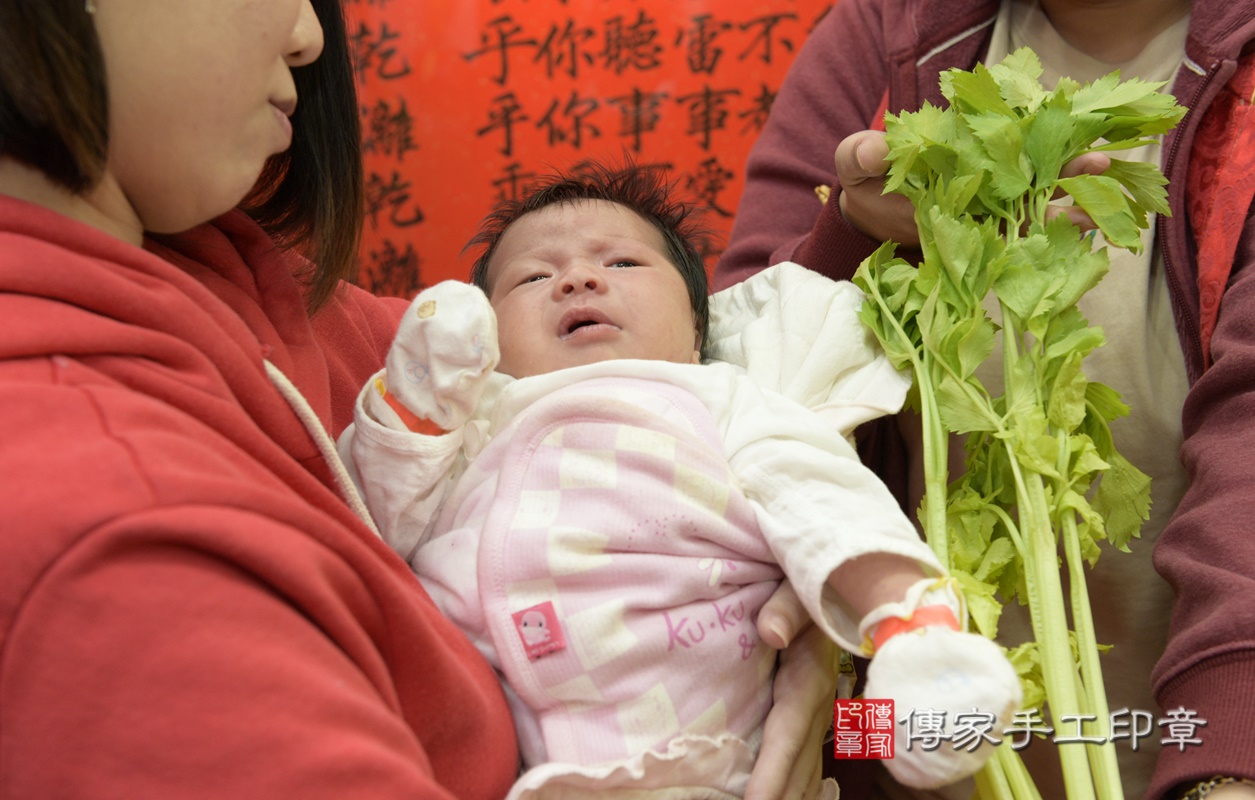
[188,606]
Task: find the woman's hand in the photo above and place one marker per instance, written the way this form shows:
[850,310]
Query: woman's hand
[790,760]
[862,162]
[1233,791]
[1087,164]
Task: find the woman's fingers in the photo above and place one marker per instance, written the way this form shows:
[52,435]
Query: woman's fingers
[1084,164]
[781,617]
[861,161]
[862,156]
[790,761]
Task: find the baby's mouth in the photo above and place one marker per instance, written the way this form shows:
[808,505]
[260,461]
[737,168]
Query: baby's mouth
[578,319]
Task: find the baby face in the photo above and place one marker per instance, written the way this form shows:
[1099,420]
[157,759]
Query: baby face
[577,283]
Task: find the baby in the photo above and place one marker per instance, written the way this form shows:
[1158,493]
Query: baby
[603,512]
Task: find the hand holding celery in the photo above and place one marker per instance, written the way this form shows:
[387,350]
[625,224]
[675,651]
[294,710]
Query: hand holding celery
[1042,472]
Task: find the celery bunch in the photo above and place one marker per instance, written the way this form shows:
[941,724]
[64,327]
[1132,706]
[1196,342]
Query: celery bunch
[1042,473]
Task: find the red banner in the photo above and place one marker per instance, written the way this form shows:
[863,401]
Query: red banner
[464,101]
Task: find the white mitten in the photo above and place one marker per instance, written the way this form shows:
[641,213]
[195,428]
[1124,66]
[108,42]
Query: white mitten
[443,353]
[929,669]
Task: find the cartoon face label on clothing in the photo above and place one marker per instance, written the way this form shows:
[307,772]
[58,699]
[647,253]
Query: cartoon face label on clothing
[539,630]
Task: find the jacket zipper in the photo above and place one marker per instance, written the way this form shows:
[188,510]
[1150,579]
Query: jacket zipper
[1190,336]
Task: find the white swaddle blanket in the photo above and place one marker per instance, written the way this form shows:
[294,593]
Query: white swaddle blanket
[797,332]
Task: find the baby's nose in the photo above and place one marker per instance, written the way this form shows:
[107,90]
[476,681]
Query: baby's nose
[580,278]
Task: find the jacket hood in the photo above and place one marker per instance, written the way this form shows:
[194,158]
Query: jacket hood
[168,322]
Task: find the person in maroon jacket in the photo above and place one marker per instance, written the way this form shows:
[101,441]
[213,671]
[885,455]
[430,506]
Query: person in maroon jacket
[1179,321]
[193,601]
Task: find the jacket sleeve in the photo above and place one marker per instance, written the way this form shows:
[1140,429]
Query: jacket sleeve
[206,652]
[819,507]
[832,90]
[404,457]
[1207,554]
[403,476]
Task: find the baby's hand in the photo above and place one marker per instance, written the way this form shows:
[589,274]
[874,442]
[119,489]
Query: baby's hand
[445,348]
[934,673]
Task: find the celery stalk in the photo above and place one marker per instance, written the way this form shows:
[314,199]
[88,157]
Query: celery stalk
[1039,455]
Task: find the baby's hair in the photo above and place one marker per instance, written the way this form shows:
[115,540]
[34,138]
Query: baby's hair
[642,189]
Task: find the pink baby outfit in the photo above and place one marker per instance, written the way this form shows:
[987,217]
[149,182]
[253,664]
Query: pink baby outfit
[609,509]
[606,535]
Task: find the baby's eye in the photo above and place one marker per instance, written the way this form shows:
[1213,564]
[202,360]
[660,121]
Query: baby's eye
[533,278]
[622,263]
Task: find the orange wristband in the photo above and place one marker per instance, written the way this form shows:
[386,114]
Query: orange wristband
[927,616]
[412,421]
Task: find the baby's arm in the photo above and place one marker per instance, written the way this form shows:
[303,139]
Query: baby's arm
[922,659]
[408,430]
[867,579]
[872,580]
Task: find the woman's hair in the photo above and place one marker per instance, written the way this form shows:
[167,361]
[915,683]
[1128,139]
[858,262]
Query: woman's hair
[53,110]
[54,113]
[641,188]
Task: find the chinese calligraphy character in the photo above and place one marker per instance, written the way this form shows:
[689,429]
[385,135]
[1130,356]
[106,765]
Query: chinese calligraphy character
[756,116]
[631,46]
[1133,732]
[1079,737]
[503,118]
[575,111]
[1182,727]
[393,193]
[564,49]
[1027,722]
[707,182]
[925,727]
[397,274]
[639,114]
[972,728]
[387,130]
[703,56]
[510,187]
[707,112]
[880,745]
[764,39]
[499,39]
[862,728]
[373,54]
